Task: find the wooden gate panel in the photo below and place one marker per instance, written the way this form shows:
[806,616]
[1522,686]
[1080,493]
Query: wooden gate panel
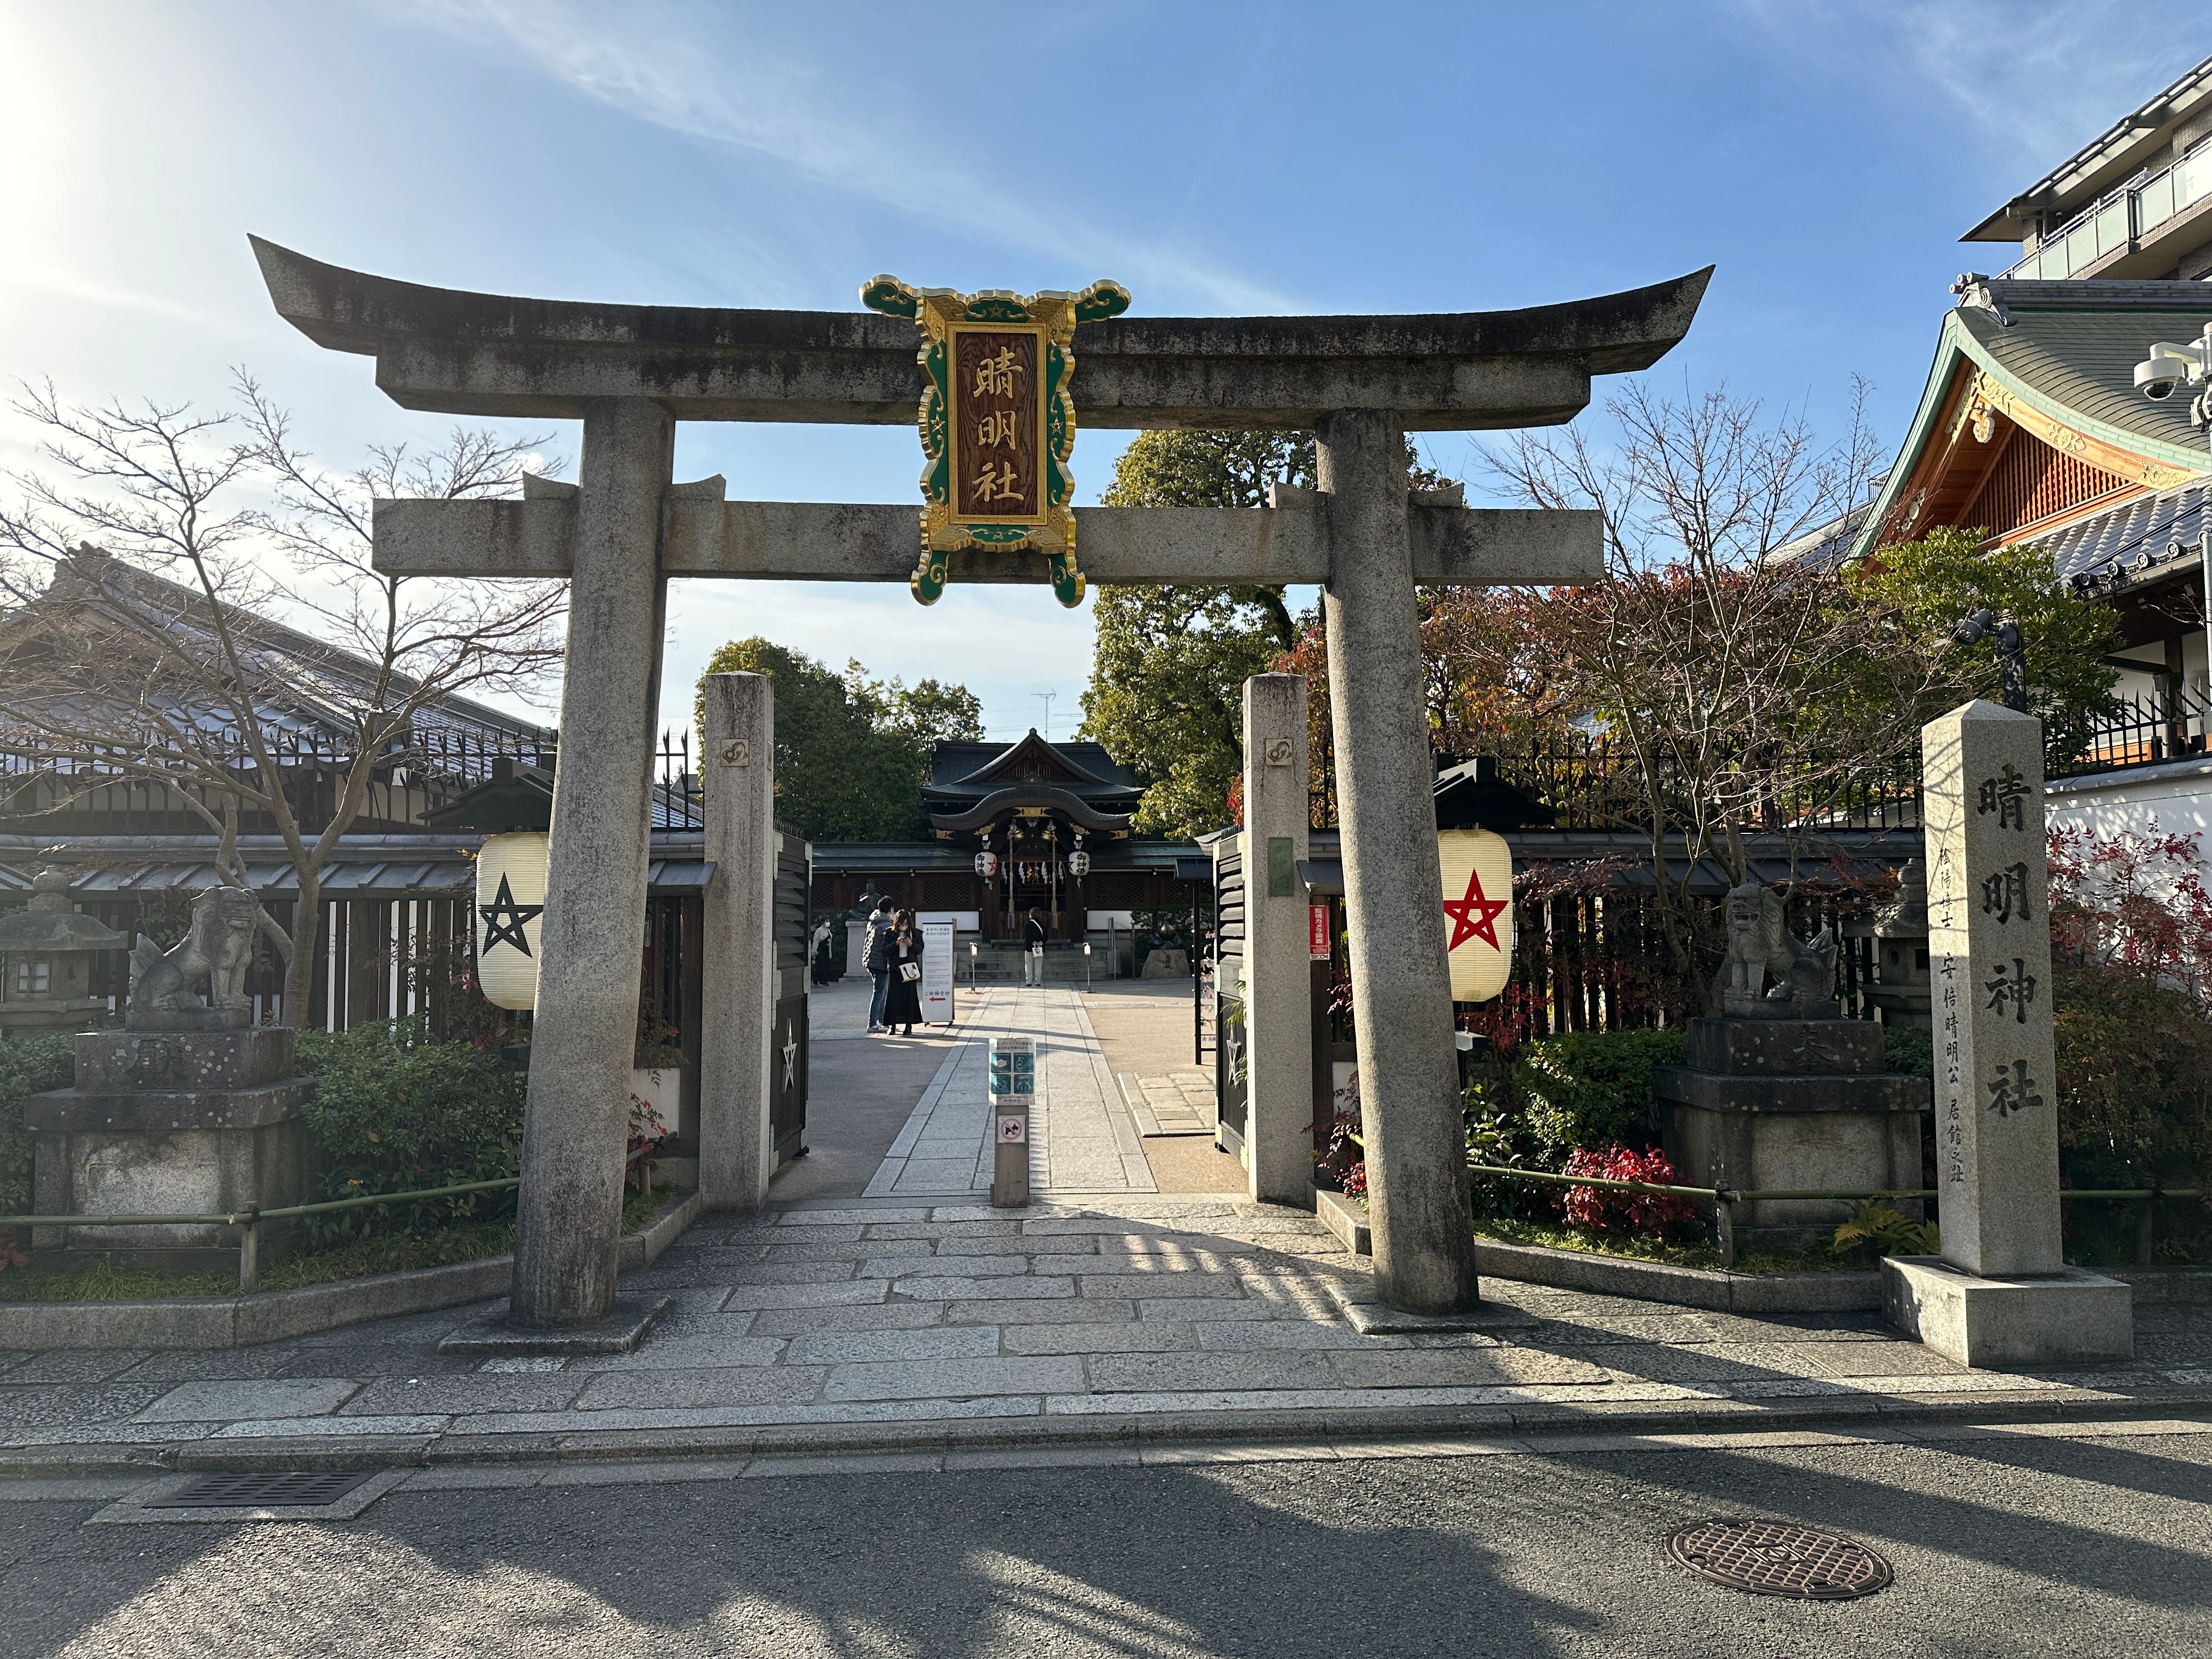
[789,1040]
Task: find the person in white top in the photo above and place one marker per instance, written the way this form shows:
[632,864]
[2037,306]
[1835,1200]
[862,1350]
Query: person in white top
[1033,950]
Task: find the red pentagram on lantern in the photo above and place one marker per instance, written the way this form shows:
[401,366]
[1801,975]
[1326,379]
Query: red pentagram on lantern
[1476,915]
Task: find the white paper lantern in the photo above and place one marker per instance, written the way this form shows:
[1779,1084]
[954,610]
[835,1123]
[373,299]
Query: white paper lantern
[510,906]
[1478,899]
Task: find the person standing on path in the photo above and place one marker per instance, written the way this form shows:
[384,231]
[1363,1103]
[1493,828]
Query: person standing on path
[1033,950]
[902,955]
[877,939]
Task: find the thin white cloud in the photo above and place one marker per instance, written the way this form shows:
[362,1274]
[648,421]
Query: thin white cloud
[681,68]
[2026,82]
[52,283]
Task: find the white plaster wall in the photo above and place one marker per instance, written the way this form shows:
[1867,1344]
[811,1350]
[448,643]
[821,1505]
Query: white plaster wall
[2149,801]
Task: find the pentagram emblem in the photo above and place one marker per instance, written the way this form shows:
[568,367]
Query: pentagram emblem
[1475,916]
[790,1059]
[504,919]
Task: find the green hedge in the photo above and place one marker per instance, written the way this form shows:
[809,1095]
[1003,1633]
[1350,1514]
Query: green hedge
[28,1066]
[396,1112]
[1592,1088]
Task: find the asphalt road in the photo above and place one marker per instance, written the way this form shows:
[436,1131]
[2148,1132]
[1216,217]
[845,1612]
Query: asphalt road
[2004,1546]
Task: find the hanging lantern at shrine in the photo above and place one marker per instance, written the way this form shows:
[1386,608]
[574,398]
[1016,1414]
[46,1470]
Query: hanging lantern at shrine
[1078,861]
[1478,900]
[987,862]
[510,909]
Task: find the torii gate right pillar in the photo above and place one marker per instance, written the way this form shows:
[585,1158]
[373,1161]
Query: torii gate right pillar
[1416,1143]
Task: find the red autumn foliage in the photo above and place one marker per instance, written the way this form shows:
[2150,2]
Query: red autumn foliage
[1609,1209]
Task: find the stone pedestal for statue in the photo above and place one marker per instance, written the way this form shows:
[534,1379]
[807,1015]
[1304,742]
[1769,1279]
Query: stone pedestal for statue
[2001,1293]
[1791,1104]
[1782,1093]
[190,1109]
[168,1123]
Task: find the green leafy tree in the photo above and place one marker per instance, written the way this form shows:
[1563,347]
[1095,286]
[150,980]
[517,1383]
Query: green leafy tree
[929,711]
[1168,674]
[849,751]
[1166,697]
[1167,679]
[1931,583]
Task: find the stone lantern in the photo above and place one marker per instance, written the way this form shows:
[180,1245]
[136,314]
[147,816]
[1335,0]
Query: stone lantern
[1900,989]
[46,961]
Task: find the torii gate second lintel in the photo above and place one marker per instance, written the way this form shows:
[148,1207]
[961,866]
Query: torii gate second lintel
[630,373]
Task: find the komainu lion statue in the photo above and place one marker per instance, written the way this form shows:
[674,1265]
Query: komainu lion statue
[216,950]
[1760,946]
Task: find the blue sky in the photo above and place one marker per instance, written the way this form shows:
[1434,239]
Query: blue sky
[1218,158]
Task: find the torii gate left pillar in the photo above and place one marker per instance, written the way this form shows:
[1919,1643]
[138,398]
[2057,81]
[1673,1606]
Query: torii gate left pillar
[629,372]
[585,1029]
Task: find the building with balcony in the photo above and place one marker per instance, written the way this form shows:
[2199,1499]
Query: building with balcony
[2031,429]
[2135,201]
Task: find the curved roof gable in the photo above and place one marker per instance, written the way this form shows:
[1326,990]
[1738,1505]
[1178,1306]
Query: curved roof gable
[2057,359]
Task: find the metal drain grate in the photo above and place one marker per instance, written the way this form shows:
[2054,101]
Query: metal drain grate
[261,1489]
[1774,1558]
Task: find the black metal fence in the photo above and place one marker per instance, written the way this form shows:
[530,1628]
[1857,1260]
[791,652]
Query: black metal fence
[1592,784]
[2146,731]
[151,788]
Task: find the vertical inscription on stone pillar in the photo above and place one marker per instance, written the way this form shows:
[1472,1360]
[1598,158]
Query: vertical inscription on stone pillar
[1996,1127]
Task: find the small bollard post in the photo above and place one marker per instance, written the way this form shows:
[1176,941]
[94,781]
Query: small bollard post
[971,964]
[1013,1092]
[249,1252]
[1086,965]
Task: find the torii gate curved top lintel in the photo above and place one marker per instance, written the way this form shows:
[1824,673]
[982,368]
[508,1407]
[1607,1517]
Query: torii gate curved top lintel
[451,352]
[630,373]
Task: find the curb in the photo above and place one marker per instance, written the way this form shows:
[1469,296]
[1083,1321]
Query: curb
[1704,1287]
[645,1446]
[242,1322]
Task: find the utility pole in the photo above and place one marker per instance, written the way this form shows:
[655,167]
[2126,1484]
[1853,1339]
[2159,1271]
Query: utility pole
[1047,696]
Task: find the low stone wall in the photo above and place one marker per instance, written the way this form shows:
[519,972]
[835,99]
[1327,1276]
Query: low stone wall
[241,1321]
[1703,1287]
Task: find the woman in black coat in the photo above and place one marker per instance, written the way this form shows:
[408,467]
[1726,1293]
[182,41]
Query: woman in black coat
[902,951]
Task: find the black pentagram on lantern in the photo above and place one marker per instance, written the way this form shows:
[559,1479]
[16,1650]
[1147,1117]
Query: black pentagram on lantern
[504,919]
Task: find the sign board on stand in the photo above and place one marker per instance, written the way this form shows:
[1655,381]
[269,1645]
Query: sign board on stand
[936,976]
[1013,1095]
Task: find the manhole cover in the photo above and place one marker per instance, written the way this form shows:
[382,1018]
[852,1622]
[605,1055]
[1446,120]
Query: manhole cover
[274,1489]
[1773,1557]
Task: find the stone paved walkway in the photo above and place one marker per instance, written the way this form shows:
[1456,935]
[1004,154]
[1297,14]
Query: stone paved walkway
[1081,1138]
[1181,1103]
[887,1325]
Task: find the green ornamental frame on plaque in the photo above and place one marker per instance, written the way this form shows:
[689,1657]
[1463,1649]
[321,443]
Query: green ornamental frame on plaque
[997,421]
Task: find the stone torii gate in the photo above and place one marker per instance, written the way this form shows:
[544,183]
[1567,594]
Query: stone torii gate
[630,373]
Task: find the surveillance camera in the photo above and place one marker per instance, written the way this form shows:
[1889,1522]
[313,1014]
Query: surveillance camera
[2158,374]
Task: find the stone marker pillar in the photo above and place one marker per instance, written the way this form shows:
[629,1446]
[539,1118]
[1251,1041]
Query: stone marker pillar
[1278,981]
[593,930]
[2001,1293]
[737,1152]
[1393,880]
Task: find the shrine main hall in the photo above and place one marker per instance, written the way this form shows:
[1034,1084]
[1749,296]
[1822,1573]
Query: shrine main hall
[1018,826]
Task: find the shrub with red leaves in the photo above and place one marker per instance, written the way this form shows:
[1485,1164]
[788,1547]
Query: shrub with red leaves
[1607,1209]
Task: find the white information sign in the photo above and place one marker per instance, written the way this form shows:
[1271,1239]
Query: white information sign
[936,971]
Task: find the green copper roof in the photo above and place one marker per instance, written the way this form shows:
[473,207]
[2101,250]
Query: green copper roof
[2069,350]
